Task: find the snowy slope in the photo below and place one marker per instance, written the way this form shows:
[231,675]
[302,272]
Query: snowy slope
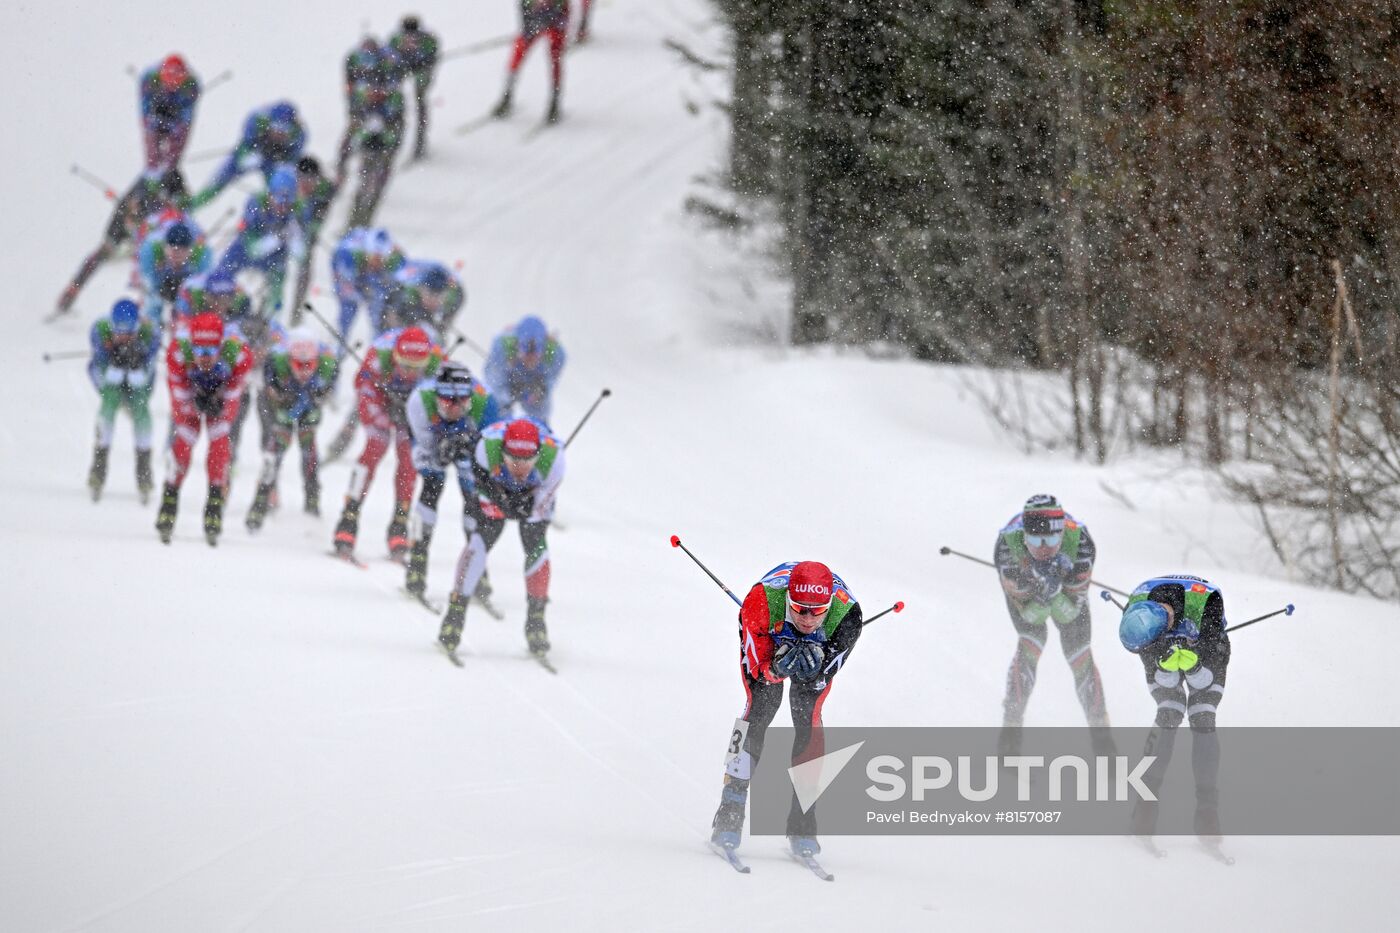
[255,737]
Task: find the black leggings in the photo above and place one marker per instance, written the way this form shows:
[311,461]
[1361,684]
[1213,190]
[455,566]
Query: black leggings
[805,701]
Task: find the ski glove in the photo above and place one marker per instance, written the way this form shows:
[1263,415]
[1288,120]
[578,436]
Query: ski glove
[209,402]
[1049,576]
[800,660]
[454,447]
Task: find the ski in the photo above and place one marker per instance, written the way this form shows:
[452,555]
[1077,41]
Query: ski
[1217,853]
[451,654]
[537,129]
[422,600]
[544,662]
[812,865]
[476,124]
[1149,846]
[485,603]
[730,856]
[348,558]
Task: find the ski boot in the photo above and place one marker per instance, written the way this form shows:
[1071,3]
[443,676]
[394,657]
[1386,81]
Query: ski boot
[804,846]
[535,635]
[165,518]
[65,300]
[258,511]
[97,476]
[416,581]
[553,115]
[311,502]
[1101,739]
[398,532]
[728,823]
[450,634]
[1009,739]
[502,109]
[144,481]
[214,514]
[1145,819]
[347,528]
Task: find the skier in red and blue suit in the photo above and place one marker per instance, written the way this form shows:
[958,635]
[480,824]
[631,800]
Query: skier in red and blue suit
[799,624]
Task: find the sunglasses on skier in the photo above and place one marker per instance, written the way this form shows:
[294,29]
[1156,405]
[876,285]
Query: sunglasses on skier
[1043,541]
[205,352]
[801,610]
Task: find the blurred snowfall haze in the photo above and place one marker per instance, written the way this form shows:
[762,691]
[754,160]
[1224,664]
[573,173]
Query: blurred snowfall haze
[254,737]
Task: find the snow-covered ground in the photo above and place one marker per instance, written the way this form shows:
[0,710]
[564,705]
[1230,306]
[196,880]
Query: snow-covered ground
[256,737]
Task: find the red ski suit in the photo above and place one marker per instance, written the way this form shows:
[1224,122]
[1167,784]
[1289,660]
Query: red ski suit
[207,397]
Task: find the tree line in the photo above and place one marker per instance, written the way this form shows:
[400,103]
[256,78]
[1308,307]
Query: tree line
[1185,214]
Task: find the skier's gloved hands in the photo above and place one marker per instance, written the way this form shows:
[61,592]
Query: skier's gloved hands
[1049,576]
[799,659]
[519,505]
[454,447]
[208,402]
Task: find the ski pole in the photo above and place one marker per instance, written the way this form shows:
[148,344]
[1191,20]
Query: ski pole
[584,420]
[945,551]
[219,224]
[65,355]
[1109,599]
[484,45]
[333,332]
[463,338]
[1286,610]
[204,155]
[897,607]
[676,542]
[221,78]
[93,180]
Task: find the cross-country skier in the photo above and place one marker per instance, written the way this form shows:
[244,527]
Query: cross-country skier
[425,291]
[272,136]
[518,467]
[799,624]
[150,195]
[446,417]
[550,19]
[123,370]
[393,368]
[315,192]
[206,372]
[522,368]
[362,268]
[367,65]
[298,376]
[415,55]
[378,133]
[1045,559]
[268,238]
[169,255]
[169,92]
[212,291]
[1176,625]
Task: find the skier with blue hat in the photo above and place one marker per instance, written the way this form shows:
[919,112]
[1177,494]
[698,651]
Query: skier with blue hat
[123,371]
[1176,625]
[522,368]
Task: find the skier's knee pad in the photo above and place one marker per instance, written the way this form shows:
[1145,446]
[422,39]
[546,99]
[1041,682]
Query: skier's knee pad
[1169,716]
[1203,722]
